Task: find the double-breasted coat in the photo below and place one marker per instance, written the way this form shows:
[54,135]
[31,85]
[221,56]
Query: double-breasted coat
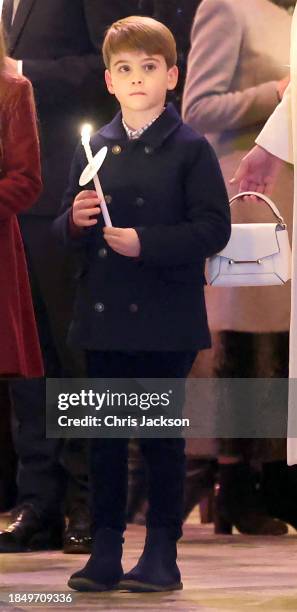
[20,186]
[169,187]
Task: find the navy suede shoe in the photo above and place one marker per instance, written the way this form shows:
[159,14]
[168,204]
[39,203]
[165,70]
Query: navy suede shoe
[103,570]
[156,569]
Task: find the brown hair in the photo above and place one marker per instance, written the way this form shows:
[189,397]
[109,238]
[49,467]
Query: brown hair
[139,34]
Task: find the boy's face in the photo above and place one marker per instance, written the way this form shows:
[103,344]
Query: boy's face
[140,81]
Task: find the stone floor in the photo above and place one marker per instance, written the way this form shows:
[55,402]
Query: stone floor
[228,573]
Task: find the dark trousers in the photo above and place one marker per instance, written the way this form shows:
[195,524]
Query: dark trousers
[164,457]
[50,470]
[8,459]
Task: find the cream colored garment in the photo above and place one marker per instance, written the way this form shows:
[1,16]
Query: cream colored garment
[15,7]
[279,137]
[230,91]
[277,134]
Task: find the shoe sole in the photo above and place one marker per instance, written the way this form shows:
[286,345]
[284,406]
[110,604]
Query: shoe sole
[146,587]
[76,550]
[84,585]
[32,546]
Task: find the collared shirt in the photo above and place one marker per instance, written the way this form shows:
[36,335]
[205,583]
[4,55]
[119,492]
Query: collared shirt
[135,134]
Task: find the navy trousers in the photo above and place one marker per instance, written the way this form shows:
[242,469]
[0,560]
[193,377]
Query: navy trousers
[164,457]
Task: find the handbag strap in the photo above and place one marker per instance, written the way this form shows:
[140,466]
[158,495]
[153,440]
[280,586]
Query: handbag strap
[261,196]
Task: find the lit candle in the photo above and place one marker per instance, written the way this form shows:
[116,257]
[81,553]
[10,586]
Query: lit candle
[85,140]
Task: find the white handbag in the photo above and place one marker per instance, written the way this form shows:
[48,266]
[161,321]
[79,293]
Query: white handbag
[256,254]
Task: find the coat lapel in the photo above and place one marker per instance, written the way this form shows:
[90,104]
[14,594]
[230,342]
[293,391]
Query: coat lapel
[21,16]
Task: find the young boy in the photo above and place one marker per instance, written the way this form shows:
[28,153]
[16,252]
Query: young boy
[140,308]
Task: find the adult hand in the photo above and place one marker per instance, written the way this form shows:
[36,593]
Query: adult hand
[257,171]
[124,241]
[85,206]
[282,86]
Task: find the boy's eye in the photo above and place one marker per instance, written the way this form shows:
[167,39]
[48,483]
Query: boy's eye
[149,67]
[124,68]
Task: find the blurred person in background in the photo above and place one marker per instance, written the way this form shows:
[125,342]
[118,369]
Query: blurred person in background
[20,185]
[231,88]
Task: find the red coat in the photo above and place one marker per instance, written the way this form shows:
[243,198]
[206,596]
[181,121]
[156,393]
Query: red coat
[20,185]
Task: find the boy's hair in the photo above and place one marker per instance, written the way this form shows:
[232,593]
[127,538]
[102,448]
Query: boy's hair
[139,34]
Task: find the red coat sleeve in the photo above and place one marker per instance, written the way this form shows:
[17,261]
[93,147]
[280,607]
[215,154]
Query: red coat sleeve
[20,178]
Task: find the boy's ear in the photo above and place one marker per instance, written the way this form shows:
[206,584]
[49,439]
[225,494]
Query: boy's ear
[172,77]
[108,82]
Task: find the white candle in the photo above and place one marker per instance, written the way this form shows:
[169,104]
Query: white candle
[85,140]
[1,8]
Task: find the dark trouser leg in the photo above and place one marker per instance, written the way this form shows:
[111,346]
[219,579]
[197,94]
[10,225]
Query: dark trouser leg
[165,459]
[108,483]
[108,458]
[74,459]
[8,460]
[40,478]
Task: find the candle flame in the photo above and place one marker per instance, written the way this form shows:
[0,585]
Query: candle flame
[86,131]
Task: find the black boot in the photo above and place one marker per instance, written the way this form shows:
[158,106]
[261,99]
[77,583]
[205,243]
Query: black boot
[239,503]
[103,570]
[77,538]
[279,483]
[156,569]
[28,531]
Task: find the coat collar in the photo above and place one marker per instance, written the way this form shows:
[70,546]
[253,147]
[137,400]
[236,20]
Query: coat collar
[154,136]
[21,16]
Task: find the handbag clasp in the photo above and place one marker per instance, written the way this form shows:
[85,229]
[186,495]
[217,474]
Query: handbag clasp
[251,261]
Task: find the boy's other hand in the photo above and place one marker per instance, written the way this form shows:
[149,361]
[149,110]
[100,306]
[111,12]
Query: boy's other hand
[85,206]
[124,241]
[257,171]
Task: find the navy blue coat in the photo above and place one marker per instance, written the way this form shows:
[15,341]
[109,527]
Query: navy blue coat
[169,187]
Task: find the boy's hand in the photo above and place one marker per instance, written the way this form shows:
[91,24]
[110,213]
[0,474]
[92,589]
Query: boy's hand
[85,206]
[124,241]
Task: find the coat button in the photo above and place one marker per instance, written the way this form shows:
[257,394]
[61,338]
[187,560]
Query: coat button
[108,198]
[148,150]
[99,307]
[102,253]
[139,202]
[133,308]
[116,149]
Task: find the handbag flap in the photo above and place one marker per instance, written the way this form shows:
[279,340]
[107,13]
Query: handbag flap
[251,241]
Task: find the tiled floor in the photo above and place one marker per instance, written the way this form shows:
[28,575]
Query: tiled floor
[228,573]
